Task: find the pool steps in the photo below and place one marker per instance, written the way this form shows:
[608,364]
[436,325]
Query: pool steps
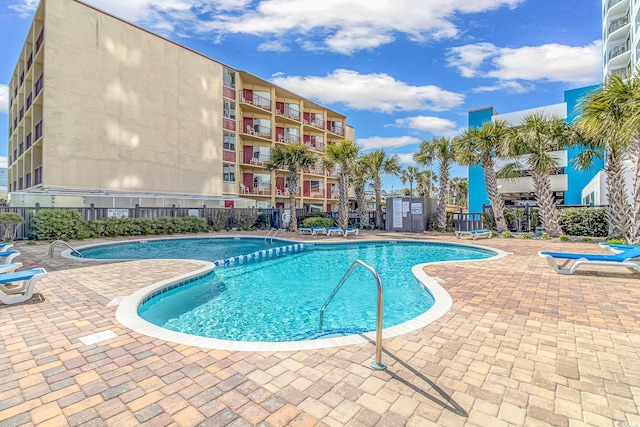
[259,255]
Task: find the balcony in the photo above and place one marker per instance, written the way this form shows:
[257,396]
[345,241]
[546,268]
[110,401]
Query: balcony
[618,50]
[21,149]
[288,138]
[29,62]
[28,180]
[29,100]
[21,115]
[259,131]
[289,113]
[338,130]
[613,3]
[37,175]
[616,24]
[40,40]
[317,123]
[315,170]
[22,77]
[525,184]
[39,130]
[255,159]
[259,102]
[28,139]
[39,84]
[623,72]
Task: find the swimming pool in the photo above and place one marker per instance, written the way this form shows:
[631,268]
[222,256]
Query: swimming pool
[227,309]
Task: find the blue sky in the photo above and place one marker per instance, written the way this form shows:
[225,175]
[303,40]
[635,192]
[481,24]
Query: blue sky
[401,70]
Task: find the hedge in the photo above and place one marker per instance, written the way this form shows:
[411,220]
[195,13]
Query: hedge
[584,221]
[318,222]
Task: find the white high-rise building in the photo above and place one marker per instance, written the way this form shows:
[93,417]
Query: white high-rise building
[620,36]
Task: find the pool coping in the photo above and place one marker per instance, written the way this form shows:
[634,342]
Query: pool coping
[127,311]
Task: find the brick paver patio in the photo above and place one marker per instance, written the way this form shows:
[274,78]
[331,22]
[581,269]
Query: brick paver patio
[521,345]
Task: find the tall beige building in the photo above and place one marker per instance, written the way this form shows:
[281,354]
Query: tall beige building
[98,105]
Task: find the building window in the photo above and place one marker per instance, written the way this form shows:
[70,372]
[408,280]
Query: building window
[229,110]
[229,141]
[229,78]
[228,172]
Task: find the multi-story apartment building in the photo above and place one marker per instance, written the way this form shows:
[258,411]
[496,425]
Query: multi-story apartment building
[567,184]
[98,105]
[620,36]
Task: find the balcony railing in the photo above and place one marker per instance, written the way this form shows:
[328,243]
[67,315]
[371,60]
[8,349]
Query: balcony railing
[39,84]
[289,138]
[618,50]
[255,159]
[39,130]
[258,101]
[316,170]
[261,131]
[319,123]
[37,175]
[613,3]
[618,23]
[623,72]
[338,130]
[289,112]
[315,193]
[40,40]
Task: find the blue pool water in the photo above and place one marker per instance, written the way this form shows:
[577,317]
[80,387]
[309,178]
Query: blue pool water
[279,299]
[206,249]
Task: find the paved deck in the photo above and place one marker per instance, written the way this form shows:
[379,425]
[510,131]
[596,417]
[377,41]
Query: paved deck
[521,345]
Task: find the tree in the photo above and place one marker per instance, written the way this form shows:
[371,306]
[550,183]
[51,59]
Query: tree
[341,156]
[379,163]
[426,182]
[530,149]
[294,158]
[10,221]
[441,152]
[610,118]
[480,145]
[360,177]
[411,174]
[458,189]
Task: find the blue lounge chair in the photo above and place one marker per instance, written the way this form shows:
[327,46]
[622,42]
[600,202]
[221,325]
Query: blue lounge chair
[334,230]
[5,246]
[573,261]
[617,248]
[318,230]
[8,256]
[474,233]
[24,285]
[350,230]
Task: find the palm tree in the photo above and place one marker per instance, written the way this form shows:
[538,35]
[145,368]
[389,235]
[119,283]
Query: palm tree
[530,148]
[342,156]
[611,119]
[426,182]
[360,177]
[294,158]
[440,151]
[379,163]
[459,188]
[480,145]
[411,174]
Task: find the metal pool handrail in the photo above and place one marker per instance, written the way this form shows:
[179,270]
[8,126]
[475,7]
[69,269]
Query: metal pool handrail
[53,245]
[377,364]
[269,235]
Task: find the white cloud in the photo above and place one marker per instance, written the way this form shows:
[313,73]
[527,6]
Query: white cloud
[549,62]
[273,46]
[386,142]
[376,92]
[25,8]
[434,125]
[4,98]
[508,86]
[4,161]
[406,158]
[336,25]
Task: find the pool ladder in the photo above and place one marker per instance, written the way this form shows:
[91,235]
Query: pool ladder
[274,231]
[377,364]
[53,245]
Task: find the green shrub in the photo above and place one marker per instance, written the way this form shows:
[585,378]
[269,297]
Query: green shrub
[507,234]
[587,240]
[309,222]
[545,236]
[525,235]
[616,240]
[564,238]
[262,221]
[53,224]
[584,221]
[494,233]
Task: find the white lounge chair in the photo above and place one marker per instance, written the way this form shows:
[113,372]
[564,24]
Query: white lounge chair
[8,256]
[318,230]
[337,231]
[474,234]
[5,246]
[305,231]
[24,285]
[10,268]
[573,261]
[350,230]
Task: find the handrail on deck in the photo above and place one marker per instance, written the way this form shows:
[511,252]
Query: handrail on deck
[377,364]
[53,245]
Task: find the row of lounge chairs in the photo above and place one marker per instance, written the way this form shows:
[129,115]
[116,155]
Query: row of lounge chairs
[16,286]
[329,231]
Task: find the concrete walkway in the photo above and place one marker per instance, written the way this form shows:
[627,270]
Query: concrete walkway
[521,345]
